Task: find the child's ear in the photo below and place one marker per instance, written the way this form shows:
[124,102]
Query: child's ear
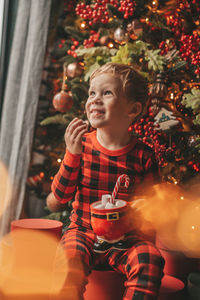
[135,110]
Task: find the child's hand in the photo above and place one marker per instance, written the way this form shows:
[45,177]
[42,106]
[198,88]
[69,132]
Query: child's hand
[73,135]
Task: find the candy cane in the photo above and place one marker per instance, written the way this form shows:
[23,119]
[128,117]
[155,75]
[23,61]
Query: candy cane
[122,178]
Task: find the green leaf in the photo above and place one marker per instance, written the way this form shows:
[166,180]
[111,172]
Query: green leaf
[197,120]
[192,100]
[156,62]
[91,69]
[124,53]
[94,57]
[139,46]
[122,56]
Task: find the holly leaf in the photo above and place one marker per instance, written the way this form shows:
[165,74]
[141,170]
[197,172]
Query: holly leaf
[156,62]
[192,100]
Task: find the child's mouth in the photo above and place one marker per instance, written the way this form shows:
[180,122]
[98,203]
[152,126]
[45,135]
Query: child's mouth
[96,113]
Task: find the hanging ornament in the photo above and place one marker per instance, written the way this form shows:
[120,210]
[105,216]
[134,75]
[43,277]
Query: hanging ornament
[158,92]
[135,29]
[165,119]
[155,106]
[63,101]
[154,5]
[74,69]
[194,140]
[120,35]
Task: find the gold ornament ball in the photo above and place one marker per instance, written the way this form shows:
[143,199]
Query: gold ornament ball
[74,69]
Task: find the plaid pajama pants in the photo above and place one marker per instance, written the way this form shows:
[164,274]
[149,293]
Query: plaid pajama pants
[142,263]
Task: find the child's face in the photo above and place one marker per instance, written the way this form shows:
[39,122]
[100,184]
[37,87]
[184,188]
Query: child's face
[107,105]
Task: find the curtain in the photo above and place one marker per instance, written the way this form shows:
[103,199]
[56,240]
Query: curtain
[9,10]
[20,105]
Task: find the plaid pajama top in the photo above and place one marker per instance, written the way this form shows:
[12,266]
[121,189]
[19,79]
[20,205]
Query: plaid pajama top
[86,177]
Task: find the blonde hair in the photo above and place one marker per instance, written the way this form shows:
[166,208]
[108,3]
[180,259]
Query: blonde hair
[134,85]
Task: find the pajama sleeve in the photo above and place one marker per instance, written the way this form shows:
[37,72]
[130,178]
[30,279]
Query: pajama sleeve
[65,181]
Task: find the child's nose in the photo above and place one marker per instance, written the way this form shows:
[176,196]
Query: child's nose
[96,98]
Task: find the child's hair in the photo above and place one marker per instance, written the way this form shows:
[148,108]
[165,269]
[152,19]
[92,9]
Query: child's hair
[134,85]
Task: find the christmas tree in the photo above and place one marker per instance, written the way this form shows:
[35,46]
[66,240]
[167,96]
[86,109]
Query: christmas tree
[161,39]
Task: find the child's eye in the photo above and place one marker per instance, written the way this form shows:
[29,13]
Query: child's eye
[92,93]
[108,92]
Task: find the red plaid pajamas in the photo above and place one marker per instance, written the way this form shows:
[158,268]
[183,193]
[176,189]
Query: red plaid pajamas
[85,178]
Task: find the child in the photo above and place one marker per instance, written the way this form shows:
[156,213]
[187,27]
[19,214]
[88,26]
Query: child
[92,163]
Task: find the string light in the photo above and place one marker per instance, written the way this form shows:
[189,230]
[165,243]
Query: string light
[41,174]
[59,160]
[154,5]
[110,45]
[83,25]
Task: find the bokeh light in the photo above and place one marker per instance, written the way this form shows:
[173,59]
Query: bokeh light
[188,229]
[173,214]
[28,265]
[160,204]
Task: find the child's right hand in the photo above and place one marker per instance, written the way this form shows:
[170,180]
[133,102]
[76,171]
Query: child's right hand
[73,135]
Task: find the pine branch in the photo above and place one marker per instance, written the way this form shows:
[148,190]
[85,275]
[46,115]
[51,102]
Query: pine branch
[114,11]
[68,59]
[77,34]
[57,119]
